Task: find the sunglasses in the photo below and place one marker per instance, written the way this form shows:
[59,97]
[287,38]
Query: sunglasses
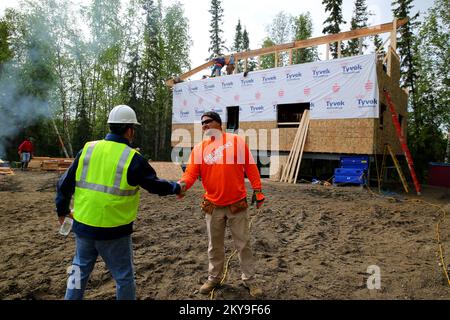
[207,121]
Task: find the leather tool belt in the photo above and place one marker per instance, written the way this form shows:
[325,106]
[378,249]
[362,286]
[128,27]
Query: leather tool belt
[208,207]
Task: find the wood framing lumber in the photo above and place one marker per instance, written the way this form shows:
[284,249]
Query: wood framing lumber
[343,36]
[302,148]
[286,169]
[300,144]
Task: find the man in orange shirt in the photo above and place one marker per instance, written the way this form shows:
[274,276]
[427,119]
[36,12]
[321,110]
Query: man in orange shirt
[221,160]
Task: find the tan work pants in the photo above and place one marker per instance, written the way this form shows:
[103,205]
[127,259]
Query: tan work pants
[238,224]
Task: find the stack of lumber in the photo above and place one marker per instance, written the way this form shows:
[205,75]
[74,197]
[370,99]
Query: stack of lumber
[36,162]
[6,171]
[292,167]
[56,164]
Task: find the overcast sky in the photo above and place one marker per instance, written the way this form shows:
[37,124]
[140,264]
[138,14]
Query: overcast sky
[255,15]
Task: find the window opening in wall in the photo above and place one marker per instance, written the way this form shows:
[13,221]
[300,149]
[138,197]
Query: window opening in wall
[232,119]
[290,115]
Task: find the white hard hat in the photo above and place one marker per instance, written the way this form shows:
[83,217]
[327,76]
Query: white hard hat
[122,114]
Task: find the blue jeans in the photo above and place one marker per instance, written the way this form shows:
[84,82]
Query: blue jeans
[218,69]
[26,157]
[118,257]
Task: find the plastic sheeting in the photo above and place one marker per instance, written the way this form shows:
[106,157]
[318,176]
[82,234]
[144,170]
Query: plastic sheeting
[336,89]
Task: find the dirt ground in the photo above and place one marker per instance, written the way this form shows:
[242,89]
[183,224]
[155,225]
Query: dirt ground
[311,242]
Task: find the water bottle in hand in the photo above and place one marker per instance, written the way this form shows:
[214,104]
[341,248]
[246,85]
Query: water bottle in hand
[66,226]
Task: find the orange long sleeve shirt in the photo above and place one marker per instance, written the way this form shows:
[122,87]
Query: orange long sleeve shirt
[221,163]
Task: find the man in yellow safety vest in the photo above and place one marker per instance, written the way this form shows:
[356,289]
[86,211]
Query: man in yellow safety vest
[104,180]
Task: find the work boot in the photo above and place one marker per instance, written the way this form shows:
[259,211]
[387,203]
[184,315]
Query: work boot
[208,286]
[253,288]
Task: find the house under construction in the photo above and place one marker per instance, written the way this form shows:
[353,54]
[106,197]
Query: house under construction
[348,109]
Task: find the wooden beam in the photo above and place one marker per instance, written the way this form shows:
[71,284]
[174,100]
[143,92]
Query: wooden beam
[394,34]
[348,35]
[186,75]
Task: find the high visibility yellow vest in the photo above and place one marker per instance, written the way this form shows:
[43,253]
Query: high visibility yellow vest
[103,197]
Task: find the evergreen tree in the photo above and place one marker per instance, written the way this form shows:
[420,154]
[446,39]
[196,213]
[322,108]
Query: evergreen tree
[359,20]
[251,62]
[303,29]
[431,59]
[175,31]
[217,41]
[405,45]
[237,44]
[333,22]
[245,41]
[377,43]
[107,50]
[153,55]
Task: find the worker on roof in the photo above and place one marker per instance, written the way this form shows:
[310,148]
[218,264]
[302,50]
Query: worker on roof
[104,179]
[221,160]
[219,62]
[230,64]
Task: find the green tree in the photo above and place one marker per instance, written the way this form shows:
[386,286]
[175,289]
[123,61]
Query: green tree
[5,51]
[251,62]
[237,44]
[217,42]
[431,59]
[405,45]
[27,82]
[303,29]
[165,53]
[106,50]
[267,61]
[6,54]
[359,20]
[177,42]
[281,31]
[333,22]
[378,43]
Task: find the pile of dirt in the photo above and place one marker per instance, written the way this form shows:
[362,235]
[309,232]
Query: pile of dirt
[311,242]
